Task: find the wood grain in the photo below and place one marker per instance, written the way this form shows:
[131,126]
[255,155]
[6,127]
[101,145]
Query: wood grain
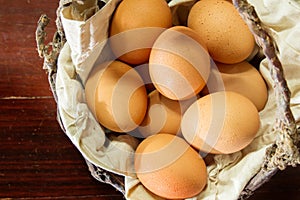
[37,160]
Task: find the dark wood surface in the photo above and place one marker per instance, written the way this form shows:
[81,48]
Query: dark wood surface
[37,160]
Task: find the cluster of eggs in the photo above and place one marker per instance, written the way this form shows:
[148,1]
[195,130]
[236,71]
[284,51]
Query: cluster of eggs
[177,100]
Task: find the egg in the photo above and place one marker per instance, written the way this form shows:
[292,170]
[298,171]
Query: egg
[242,78]
[163,115]
[225,33]
[135,25]
[167,166]
[221,123]
[116,95]
[179,64]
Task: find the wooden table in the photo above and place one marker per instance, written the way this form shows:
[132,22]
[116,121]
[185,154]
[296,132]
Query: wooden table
[37,160]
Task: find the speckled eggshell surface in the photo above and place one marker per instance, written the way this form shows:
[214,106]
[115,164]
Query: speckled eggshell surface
[179,64]
[226,35]
[116,95]
[221,123]
[163,115]
[242,78]
[129,17]
[167,166]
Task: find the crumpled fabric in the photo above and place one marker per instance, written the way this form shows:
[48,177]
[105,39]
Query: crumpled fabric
[228,174]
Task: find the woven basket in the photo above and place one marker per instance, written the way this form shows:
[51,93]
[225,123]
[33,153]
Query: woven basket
[284,152]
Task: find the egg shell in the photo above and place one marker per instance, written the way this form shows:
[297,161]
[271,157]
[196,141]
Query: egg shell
[225,33]
[163,115]
[179,65]
[220,123]
[242,78]
[116,95]
[137,15]
[167,166]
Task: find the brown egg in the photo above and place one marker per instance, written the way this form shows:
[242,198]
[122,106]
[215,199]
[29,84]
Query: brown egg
[221,122]
[163,115]
[225,33]
[167,166]
[179,65]
[242,78]
[116,95]
[136,21]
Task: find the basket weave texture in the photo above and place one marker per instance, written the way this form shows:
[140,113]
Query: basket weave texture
[284,152]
